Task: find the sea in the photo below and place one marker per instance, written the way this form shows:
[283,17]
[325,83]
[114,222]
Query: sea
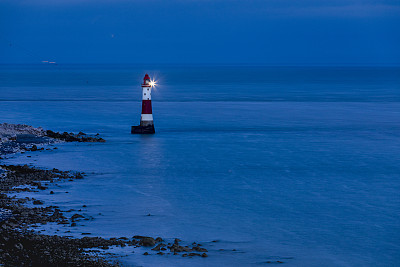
[261,165]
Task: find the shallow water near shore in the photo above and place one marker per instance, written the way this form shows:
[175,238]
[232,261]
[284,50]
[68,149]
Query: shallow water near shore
[299,165]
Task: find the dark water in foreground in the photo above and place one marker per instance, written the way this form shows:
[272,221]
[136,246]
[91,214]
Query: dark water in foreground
[297,164]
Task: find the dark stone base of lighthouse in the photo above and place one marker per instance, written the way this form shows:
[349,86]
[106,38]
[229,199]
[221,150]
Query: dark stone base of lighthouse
[149,129]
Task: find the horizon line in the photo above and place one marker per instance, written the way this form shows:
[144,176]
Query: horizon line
[210,64]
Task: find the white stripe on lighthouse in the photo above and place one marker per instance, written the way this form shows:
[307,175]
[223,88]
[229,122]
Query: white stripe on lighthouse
[147,117]
[146,93]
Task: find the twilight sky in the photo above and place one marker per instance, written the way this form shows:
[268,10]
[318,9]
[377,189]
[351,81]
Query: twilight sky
[270,32]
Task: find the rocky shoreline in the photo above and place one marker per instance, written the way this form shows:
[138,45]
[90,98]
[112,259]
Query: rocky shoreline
[16,138]
[21,246]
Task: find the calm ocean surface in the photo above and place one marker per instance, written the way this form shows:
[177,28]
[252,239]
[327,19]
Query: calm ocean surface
[300,165]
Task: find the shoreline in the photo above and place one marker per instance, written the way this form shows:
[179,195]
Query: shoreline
[20,245]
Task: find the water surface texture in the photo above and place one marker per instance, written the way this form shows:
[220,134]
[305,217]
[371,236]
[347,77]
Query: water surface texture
[300,165]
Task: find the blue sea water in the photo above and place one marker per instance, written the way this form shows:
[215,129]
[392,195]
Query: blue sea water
[292,164]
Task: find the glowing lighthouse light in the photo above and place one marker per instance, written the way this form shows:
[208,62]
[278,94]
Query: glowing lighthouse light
[146,120]
[153,83]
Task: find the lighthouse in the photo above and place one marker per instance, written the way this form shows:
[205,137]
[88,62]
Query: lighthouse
[146,120]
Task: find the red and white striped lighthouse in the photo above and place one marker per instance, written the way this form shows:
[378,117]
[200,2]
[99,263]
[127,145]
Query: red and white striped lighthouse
[146,120]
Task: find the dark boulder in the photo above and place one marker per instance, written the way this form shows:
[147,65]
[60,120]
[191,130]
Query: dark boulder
[37,202]
[147,242]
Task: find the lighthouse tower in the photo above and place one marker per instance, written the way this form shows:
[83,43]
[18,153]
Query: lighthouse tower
[146,121]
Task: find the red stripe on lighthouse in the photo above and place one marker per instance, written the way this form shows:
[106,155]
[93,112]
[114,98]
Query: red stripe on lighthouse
[146,107]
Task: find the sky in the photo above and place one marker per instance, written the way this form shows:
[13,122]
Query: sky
[266,32]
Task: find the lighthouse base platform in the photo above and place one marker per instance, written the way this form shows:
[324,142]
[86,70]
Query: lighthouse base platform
[149,129]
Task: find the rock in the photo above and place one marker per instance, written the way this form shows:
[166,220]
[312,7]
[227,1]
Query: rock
[147,242]
[138,237]
[37,202]
[34,148]
[177,248]
[193,254]
[42,187]
[199,249]
[76,216]
[51,192]
[71,137]
[159,239]
[158,247]
[204,255]
[146,253]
